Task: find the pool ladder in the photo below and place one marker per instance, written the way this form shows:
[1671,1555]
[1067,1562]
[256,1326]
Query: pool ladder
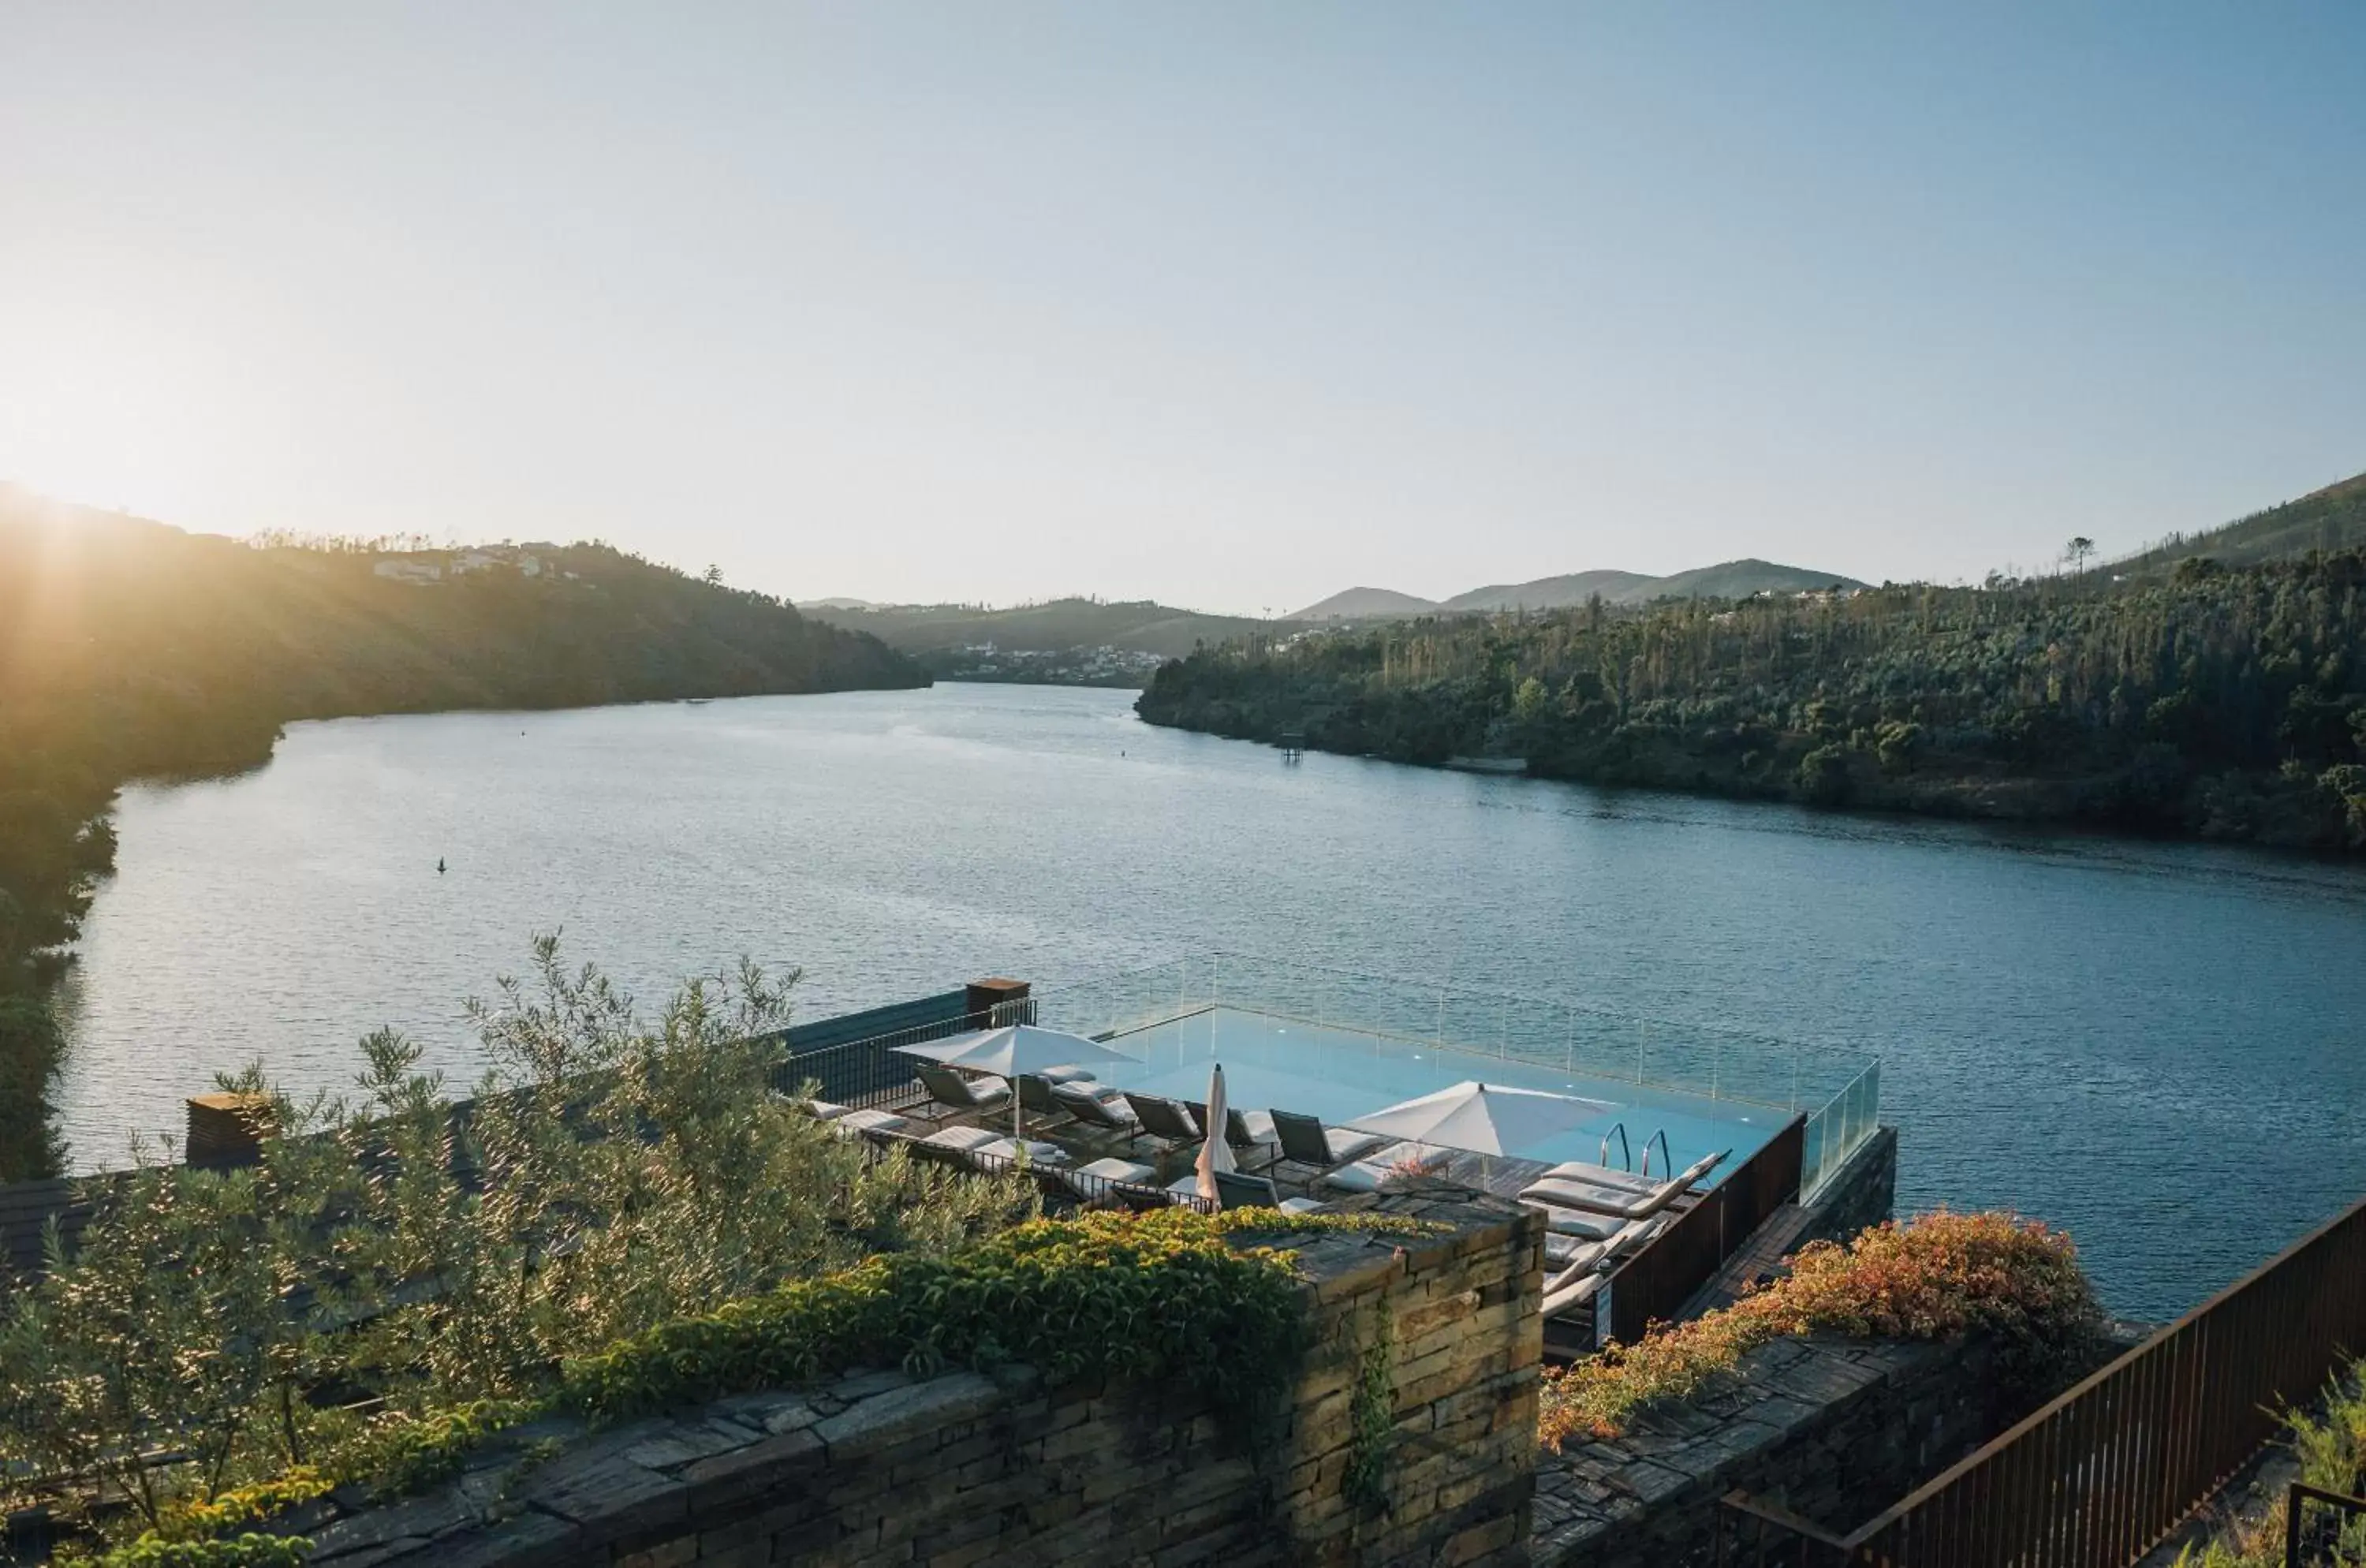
[1626,1150]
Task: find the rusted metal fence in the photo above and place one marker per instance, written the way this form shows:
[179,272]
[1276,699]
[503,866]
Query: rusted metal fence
[2323,1530]
[2100,1476]
[1663,1277]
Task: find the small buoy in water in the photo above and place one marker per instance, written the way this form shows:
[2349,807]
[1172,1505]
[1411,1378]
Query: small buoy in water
[439,865]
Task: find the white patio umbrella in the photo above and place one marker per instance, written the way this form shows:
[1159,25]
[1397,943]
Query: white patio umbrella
[1014,1049]
[1215,1149]
[1487,1119]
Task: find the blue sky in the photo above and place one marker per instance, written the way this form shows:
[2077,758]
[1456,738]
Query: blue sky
[1231,305]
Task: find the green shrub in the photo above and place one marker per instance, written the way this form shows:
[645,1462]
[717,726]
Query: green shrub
[239,1552]
[1116,1295]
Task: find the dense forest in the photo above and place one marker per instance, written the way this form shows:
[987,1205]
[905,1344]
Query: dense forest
[2215,702]
[129,650]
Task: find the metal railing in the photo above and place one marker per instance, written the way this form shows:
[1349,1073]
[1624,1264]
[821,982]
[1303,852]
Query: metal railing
[2101,1475]
[2323,1530]
[1839,1091]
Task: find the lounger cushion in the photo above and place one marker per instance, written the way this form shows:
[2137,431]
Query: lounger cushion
[1302,1206]
[820,1110]
[1112,1169]
[1600,1175]
[1626,1180]
[963,1138]
[1570,1222]
[873,1121]
[1105,1094]
[1066,1074]
[1038,1153]
[1347,1144]
[1593,1200]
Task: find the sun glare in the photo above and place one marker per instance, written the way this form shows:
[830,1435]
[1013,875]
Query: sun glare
[91,413]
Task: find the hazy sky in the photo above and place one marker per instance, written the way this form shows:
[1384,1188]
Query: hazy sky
[1230,305]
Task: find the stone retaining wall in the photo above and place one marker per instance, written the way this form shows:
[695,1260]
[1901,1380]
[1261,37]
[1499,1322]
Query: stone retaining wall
[971,1467]
[1835,1430]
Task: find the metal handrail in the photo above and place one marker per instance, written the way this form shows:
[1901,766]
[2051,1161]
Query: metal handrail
[1668,1159]
[1626,1150]
[2297,1496]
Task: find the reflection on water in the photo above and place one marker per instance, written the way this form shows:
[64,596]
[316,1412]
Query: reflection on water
[2159,1047]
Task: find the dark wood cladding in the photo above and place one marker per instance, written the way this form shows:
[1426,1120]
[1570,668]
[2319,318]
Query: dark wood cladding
[1662,1279]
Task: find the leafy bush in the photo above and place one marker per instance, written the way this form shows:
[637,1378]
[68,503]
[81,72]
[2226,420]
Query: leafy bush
[239,1552]
[1109,1295]
[1931,1278]
[611,1176]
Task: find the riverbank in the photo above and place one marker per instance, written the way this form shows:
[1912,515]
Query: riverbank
[138,651]
[2225,707]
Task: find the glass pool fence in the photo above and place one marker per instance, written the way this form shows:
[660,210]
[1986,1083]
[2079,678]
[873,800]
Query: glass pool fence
[1840,1090]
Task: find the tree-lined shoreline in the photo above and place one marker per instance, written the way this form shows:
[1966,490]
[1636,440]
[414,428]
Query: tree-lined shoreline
[2211,703]
[138,651]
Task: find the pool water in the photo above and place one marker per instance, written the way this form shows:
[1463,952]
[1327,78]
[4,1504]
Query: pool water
[1339,1075]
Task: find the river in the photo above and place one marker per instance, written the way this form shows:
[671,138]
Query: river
[2160,1048]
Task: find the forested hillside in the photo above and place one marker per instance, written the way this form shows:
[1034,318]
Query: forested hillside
[2225,703]
[131,650]
[1134,625]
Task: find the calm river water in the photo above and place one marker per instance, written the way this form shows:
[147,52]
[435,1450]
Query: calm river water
[2162,1047]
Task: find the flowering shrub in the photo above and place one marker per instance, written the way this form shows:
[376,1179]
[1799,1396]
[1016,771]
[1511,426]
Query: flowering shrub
[1931,1278]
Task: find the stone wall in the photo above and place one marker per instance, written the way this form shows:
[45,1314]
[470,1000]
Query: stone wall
[978,1467]
[1835,1430]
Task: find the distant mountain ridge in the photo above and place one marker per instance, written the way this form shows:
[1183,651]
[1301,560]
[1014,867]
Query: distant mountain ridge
[1135,625]
[1366,603]
[1727,579]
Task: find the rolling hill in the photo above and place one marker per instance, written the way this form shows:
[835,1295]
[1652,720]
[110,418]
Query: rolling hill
[1552,592]
[1727,579]
[1365,604]
[1136,626]
[2332,518]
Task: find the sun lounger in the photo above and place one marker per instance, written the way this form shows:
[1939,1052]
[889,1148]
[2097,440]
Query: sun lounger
[1626,1180]
[1368,1175]
[1306,1141]
[1237,1191]
[1110,1115]
[819,1110]
[1038,1103]
[1164,1120]
[1008,1150]
[1565,1195]
[958,1094]
[1093,1181]
[870,1121]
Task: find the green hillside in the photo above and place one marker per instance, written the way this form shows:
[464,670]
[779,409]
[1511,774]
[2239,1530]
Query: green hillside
[2216,702]
[134,650]
[2332,518]
[1138,625]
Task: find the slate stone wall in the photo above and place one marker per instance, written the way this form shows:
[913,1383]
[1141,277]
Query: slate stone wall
[970,1467]
[1835,1430]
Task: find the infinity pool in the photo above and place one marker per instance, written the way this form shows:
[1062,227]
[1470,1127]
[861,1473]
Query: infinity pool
[1339,1075]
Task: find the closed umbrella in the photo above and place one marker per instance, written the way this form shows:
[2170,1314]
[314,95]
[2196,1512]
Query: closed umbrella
[1487,1119]
[1014,1049]
[1215,1149]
